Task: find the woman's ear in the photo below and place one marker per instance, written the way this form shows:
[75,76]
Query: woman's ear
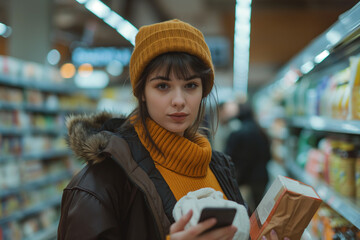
[143,97]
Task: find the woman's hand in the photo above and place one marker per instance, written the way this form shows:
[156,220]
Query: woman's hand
[178,232]
[274,236]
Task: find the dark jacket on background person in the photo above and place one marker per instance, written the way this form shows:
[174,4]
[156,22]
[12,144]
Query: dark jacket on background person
[120,194]
[249,149]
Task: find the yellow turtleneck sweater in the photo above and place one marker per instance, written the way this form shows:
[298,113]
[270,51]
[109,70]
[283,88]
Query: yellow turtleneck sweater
[184,164]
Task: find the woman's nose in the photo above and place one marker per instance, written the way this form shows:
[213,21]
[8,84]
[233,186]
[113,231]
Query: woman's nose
[178,98]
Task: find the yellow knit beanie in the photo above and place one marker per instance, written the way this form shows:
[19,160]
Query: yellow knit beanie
[169,36]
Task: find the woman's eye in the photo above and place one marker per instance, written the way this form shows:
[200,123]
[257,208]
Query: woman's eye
[162,86]
[191,85]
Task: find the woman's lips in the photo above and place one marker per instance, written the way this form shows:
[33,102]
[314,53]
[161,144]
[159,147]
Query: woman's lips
[178,117]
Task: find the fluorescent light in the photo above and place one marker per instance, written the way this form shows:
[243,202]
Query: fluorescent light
[241,47]
[317,123]
[307,67]
[321,56]
[98,8]
[3,28]
[81,1]
[5,31]
[128,31]
[333,36]
[114,20]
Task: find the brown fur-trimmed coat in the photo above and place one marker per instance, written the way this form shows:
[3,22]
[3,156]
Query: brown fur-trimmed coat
[119,194]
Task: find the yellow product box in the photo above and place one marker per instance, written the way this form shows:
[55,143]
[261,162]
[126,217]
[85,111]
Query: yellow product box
[287,207]
[357,179]
[354,103]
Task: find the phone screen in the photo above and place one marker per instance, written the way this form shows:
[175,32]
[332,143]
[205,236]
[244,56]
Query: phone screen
[224,216]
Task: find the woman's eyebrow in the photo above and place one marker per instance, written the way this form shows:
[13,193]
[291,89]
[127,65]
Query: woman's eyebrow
[160,78]
[192,77]
[168,79]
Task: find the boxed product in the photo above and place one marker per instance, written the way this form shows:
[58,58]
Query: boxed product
[287,207]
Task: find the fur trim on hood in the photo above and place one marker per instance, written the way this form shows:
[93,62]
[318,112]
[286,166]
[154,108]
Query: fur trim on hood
[88,135]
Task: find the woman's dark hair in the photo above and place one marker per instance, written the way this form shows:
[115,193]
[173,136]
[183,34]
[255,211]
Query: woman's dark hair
[183,65]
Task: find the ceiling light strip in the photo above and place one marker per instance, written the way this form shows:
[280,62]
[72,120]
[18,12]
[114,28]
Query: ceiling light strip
[5,31]
[114,20]
[241,47]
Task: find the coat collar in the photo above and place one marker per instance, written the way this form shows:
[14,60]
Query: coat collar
[88,135]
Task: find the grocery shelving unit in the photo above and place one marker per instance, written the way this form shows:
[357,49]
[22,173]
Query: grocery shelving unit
[42,86]
[344,206]
[55,160]
[52,202]
[327,54]
[325,124]
[48,233]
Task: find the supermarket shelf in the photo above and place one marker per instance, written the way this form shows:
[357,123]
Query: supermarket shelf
[52,131]
[46,155]
[11,131]
[42,86]
[46,234]
[79,110]
[39,109]
[9,105]
[47,180]
[8,158]
[274,169]
[325,124]
[342,205]
[41,155]
[23,131]
[50,179]
[308,235]
[37,208]
[47,110]
[43,109]
[7,192]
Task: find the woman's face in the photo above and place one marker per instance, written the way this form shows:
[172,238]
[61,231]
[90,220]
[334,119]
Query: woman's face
[171,102]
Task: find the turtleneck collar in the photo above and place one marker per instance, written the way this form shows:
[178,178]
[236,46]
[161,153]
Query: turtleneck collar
[179,154]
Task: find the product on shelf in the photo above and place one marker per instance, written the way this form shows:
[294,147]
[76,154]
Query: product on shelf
[10,146]
[34,97]
[10,66]
[10,231]
[77,102]
[342,82]
[327,224]
[29,71]
[32,170]
[316,163]
[10,204]
[10,95]
[355,88]
[307,140]
[335,95]
[346,171]
[326,150]
[357,176]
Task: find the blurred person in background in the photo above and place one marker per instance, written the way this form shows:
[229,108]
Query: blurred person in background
[249,149]
[228,110]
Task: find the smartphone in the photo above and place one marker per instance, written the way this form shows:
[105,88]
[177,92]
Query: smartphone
[224,216]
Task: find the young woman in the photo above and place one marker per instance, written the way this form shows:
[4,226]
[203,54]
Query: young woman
[139,167]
